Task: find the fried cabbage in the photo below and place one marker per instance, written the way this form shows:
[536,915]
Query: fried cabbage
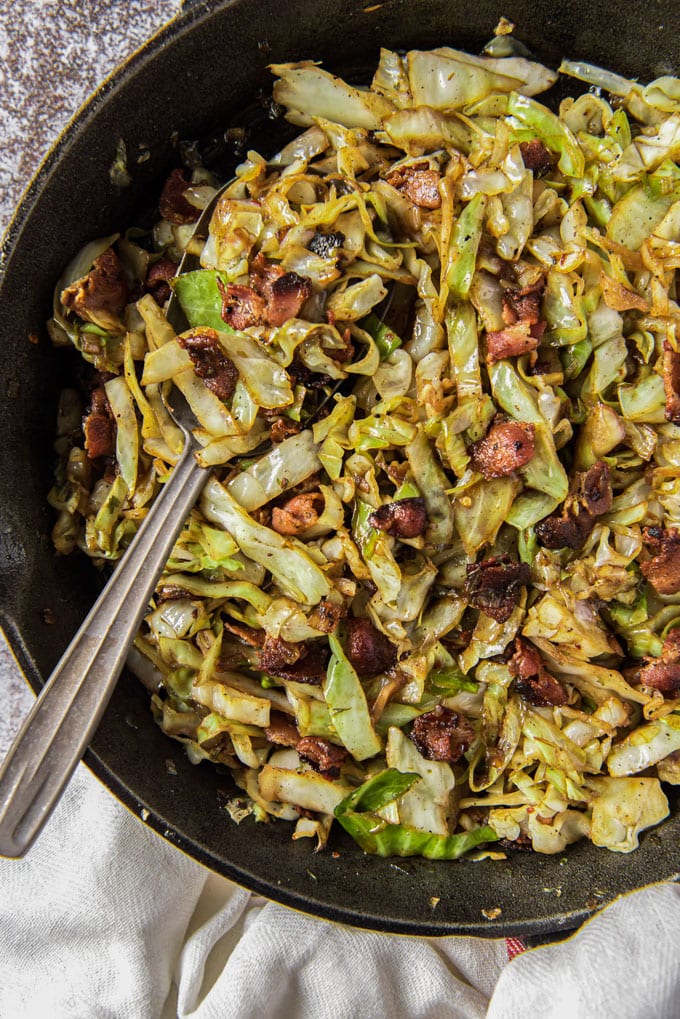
[431,591]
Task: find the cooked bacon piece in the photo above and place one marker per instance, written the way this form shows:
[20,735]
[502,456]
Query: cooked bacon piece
[241,306]
[288,294]
[369,650]
[324,244]
[591,497]
[99,426]
[101,295]
[671,382]
[442,734]
[516,340]
[404,518]
[594,489]
[281,730]
[263,274]
[301,663]
[283,428]
[211,364]
[326,616]
[299,513]
[523,304]
[663,673]
[533,682]
[494,585]
[100,435]
[538,329]
[565,531]
[248,634]
[505,448]
[663,569]
[173,205]
[419,183]
[157,277]
[99,401]
[323,756]
[278,653]
[284,292]
[536,156]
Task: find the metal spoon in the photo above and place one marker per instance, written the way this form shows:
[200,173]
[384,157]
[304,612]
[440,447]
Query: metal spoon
[65,716]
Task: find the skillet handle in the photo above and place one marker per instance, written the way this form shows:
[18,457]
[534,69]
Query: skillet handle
[65,716]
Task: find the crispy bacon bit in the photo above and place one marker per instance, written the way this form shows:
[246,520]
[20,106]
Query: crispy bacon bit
[301,663]
[594,489]
[323,756]
[419,183]
[516,340]
[494,585]
[288,294]
[325,244]
[281,730]
[536,156]
[99,426]
[298,514]
[248,634]
[591,497]
[326,616]
[505,448]
[404,518]
[263,273]
[283,428]
[533,682]
[671,382]
[241,306]
[663,673]
[565,530]
[157,277]
[663,569]
[369,650]
[173,205]
[523,304]
[211,364]
[442,734]
[101,295]
[284,293]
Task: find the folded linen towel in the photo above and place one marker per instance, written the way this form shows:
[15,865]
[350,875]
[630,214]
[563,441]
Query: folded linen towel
[105,919]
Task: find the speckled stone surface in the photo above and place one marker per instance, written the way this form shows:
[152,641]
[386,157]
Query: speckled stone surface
[53,54]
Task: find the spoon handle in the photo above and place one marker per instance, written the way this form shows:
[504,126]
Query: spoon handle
[64,718]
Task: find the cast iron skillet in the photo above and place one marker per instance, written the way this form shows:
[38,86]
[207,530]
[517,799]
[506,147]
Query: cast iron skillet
[192,80]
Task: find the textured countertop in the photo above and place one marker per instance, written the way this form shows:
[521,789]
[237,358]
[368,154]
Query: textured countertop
[53,54]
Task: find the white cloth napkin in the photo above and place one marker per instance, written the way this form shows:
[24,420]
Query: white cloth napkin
[105,919]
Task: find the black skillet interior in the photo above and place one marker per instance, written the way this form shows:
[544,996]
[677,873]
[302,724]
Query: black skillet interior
[192,81]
